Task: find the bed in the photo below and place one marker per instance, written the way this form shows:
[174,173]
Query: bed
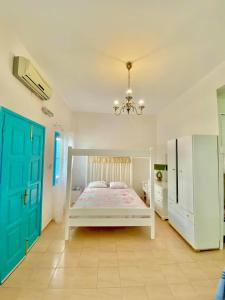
[106,207]
[109,198]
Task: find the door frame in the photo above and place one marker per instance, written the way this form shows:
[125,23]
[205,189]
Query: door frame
[221,149]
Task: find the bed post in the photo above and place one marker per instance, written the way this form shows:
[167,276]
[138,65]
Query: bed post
[68,192]
[152,227]
[86,170]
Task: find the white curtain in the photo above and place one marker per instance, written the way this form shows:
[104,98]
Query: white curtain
[110,169]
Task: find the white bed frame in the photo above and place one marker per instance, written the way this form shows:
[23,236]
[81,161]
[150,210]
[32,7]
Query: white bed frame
[106,217]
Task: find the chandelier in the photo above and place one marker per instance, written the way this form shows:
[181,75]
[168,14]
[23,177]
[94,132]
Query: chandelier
[128,105]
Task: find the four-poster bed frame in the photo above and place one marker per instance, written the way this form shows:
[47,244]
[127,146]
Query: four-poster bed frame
[107,217]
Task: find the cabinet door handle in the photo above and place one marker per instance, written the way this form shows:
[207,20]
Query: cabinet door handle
[25,197]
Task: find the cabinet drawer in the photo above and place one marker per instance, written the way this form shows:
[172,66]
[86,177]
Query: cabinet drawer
[186,215]
[182,221]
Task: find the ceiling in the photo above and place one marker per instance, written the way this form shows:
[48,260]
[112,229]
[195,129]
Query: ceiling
[83,46]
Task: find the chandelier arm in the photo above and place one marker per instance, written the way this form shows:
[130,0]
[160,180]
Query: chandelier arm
[137,113]
[118,112]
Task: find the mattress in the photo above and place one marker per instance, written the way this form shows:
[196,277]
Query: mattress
[109,198]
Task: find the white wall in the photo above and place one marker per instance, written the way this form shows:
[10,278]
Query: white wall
[194,112]
[15,96]
[106,131]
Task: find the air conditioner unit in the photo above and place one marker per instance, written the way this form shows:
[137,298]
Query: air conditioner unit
[29,76]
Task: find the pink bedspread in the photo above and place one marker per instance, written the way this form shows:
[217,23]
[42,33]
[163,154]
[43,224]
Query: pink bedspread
[109,198]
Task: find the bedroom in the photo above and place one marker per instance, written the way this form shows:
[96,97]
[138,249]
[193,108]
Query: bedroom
[81,50]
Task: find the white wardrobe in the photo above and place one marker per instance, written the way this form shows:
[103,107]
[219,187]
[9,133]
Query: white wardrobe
[193,190]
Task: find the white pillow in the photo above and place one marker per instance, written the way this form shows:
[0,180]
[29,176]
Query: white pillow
[118,185]
[97,184]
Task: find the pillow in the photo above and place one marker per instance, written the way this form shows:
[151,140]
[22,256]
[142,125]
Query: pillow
[118,185]
[97,184]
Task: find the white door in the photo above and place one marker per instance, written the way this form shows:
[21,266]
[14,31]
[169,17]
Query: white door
[185,174]
[172,181]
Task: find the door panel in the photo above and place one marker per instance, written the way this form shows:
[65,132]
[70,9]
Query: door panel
[185,173]
[35,184]
[15,155]
[172,170]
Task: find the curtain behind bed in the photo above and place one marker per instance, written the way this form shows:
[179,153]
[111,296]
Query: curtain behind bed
[109,169]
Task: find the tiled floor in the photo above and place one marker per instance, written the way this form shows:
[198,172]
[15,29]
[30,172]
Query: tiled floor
[114,264]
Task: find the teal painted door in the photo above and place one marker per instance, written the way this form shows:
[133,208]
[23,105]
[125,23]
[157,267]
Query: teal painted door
[33,207]
[21,188]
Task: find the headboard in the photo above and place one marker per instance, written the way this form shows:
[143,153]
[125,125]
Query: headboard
[109,168]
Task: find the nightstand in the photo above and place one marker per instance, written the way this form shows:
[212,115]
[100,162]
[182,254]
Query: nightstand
[160,199]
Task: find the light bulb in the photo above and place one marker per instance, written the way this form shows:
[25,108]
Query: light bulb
[116,103]
[141,102]
[129,92]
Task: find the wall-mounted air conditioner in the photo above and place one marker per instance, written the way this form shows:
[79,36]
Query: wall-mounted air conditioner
[29,76]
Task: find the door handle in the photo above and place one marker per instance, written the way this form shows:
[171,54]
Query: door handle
[25,197]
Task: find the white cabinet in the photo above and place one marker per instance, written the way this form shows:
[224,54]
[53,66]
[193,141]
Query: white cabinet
[161,199]
[195,212]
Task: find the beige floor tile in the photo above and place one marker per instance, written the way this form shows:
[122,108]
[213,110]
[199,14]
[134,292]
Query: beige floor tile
[69,260]
[41,246]
[30,278]
[135,293]
[108,277]
[158,290]
[57,294]
[173,274]
[183,289]
[41,260]
[31,294]
[152,276]
[9,293]
[128,258]
[88,260]
[56,246]
[108,259]
[18,278]
[107,246]
[74,278]
[131,276]
[205,287]
[110,294]
[85,294]
[73,246]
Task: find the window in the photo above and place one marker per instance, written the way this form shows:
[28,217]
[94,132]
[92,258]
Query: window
[57,158]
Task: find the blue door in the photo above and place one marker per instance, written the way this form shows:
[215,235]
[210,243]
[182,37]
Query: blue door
[34,186]
[20,188]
